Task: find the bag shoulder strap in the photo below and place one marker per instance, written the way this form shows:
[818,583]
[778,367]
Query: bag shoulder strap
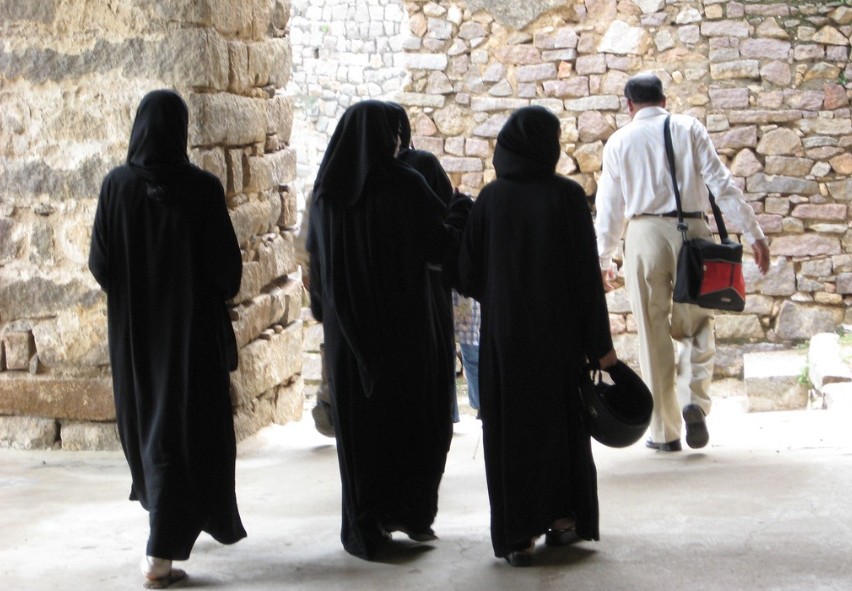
[717,213]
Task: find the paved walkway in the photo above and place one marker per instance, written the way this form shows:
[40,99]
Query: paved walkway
[767,505]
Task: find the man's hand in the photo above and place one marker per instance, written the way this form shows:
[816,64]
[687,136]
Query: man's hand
[608,276]
[761,255]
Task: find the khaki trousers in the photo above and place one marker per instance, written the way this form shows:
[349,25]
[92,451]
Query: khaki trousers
[676,342]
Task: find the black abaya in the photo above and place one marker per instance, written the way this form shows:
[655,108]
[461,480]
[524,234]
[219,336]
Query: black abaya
[529,256]
[164,250]
[441,277]
[374,228]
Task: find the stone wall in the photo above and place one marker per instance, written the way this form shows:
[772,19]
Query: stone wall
[770,80]
[71,75]
[343,51]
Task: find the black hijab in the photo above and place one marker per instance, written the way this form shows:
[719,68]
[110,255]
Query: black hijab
[365,137]
[158,140]
[405,144]
[528,144]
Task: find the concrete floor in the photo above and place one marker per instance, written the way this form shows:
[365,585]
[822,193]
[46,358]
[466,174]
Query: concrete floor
[767,505]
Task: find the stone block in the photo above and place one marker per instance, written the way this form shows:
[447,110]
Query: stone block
[416,99]
[279,117]
[825,126]
[800,321]
[251,219]
[594,103]
[773,380]
[267,362]
[805,245]
[726,28]
[825,363]
[787,166]
[280,61]
[536,72]
[729,98]
[828,211]
[739,327]
[19,347]
[523,55]
[195,57]
[279,304]
[65,398]
[239,81]
[623,39]
[736,138]
[735,70]
[73,338]
[573,87]
[257,174]
[41,294]
[289,209]
[455,164]
[282,166]
[289,402]
[838,397]
[226,119]
[776,49]
[311,367]
[764,117]
[235,159]
[280,14]
[231,18]
[764,183]
[213,161]
[79,436]
[426,61]
[254,415]
[22,432]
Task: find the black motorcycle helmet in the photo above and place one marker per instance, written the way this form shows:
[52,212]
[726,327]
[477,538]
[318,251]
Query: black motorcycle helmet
[617,414]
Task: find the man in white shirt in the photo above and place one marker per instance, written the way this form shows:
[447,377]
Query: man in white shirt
[636,187]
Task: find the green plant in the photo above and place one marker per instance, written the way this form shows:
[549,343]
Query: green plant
[805,377]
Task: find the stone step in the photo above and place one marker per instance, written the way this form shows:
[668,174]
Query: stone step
[774,380]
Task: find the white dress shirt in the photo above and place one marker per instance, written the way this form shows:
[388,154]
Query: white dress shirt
[636,180]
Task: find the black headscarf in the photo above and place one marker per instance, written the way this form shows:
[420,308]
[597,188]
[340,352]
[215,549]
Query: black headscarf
[157,149]
[365,136]
[404,129]
[528,144]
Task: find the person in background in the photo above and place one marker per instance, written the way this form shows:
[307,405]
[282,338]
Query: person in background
[321,413]
[375,227]
[440,278]
[466,317]
[636,186]
[165,252]
[529,257]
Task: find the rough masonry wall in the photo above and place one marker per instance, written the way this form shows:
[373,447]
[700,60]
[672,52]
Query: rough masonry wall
[71,75]
[770,79]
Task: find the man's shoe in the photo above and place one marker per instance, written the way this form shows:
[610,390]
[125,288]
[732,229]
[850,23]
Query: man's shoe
[669,446]
[696,428]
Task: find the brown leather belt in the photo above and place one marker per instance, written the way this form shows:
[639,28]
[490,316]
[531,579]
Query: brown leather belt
[673,214]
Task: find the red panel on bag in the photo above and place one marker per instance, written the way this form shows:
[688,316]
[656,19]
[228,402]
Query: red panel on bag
[722,275]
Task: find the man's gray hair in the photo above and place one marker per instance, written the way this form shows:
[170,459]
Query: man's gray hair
[644,88]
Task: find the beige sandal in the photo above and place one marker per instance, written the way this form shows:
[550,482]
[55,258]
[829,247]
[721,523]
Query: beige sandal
[175,575]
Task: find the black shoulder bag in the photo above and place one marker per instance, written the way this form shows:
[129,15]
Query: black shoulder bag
[709,274]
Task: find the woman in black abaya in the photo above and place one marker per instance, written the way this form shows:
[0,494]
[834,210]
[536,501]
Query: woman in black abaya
[164,251]
[440,278]
[375,226]
[529,256]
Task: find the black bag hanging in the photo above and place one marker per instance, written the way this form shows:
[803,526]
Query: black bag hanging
[709,274]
